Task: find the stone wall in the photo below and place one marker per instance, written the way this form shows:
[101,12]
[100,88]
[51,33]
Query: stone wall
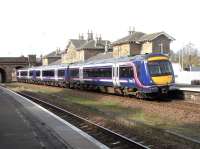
[127,49]
[135,49]
[156,44]
[10,71]
[70,56]
[44,61]
[146,47]
[32,60]
[121,50]
[8,66]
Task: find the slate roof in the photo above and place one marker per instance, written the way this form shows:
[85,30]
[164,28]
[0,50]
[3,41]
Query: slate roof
[87,44]
[100,56]
[150,37]
[141,37]
[76,42]
[134,37]
[56,62]
[91,44]
[53,54]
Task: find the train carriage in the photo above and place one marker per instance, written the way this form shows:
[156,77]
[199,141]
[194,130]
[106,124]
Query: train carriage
[22,75]
[140,75]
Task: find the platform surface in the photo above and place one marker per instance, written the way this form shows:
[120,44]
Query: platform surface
[185,87]
[24,124]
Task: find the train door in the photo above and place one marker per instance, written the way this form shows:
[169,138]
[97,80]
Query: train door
[81,74]
[115,75]
[56,74]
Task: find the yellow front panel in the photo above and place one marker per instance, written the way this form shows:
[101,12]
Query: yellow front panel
[162,80]
[157,58]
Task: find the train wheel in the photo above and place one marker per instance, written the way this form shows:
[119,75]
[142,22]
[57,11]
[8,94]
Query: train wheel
[139,95]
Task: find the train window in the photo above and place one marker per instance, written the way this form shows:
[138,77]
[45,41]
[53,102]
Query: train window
[90,73]
[74,72]
[87,73]
[37,73]
[30,73]
[105,72]
[61,73]
[17,73]
[97,72]
[48,73]
[125,72]
[24,73]
[159,68]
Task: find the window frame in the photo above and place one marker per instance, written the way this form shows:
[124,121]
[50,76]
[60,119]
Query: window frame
[130,71]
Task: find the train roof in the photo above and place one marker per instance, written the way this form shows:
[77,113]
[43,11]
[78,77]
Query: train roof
[101,61]
[46,67]
[121,59]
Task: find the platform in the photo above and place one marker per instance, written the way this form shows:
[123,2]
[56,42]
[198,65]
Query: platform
[24,124]
[185,87]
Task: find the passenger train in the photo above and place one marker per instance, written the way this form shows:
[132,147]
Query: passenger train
[140,75]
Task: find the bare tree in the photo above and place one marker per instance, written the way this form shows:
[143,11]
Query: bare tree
[188,56]
[173,56]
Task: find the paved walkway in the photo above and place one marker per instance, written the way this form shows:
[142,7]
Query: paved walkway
[25,125]
[16,132]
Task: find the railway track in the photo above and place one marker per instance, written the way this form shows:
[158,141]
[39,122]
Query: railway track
[189,94]
[104,135]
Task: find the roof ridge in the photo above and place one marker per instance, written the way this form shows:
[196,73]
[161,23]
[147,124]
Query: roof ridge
[154,35]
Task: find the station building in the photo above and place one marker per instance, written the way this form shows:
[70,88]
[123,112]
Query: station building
[82,49]
[140,43]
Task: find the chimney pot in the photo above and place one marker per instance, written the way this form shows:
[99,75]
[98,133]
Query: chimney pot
[90,35]
[81,37]
[131,30]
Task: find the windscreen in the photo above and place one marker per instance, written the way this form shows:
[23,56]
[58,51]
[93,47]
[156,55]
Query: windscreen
[158,68]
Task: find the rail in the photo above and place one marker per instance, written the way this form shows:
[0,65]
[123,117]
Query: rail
[104,135]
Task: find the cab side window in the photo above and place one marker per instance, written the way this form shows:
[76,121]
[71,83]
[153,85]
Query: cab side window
[125,72]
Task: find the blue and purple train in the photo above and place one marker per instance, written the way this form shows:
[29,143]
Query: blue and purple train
[140,75]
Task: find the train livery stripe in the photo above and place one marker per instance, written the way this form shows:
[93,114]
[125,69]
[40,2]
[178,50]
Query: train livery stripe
[157,58]
[136,77]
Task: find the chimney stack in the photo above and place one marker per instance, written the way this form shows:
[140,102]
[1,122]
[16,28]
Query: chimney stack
[131,30]
[81,37]
[98,41]
[57,51]
[90,35]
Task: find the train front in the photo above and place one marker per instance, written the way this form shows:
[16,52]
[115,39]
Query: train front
[160,73]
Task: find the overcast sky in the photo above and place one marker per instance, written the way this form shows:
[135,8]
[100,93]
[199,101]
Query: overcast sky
[40,26]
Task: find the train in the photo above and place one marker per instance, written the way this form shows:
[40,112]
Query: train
[141,75]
